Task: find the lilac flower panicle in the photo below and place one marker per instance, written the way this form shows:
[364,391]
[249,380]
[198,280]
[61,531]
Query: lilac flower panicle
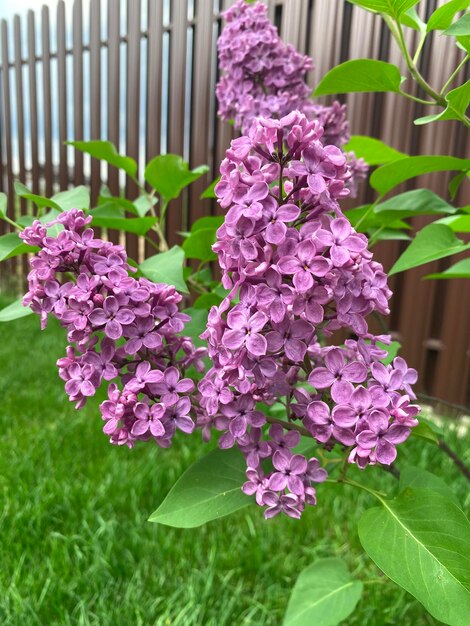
[261,76]
[124,329]
[297,271]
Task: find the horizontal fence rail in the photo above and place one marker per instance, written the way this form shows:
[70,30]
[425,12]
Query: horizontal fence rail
[142,74]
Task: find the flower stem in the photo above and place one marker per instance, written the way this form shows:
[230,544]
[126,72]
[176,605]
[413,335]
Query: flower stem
[288,425]
[454,74]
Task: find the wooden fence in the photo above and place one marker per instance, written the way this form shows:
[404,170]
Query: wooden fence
[142,74]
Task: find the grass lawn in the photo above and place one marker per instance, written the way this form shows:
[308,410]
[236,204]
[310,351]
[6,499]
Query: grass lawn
[76,547]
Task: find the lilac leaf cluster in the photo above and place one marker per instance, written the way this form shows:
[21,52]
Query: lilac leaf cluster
[297,272]
[123,329]
[263,76]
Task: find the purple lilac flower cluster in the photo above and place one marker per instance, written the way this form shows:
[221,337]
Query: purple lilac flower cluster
[297,271]
[123,328]
[262,76]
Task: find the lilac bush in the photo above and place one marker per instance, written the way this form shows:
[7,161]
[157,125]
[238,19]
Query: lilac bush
[296,272]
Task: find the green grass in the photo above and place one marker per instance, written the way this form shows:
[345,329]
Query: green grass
[76,547]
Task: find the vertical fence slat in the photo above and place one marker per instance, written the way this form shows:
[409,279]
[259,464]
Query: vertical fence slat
[33,105]
[11,264]
[201,109]
[47,103]
[62,95]
[223,132]
[20,120]
[20,107]
[154,78]
[77,36]
[176,105]
[113,95]
[133,106]
[154,90]
[7,114]
[95,92]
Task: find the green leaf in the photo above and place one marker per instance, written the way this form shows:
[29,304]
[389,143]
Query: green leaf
[169,174]
[458,223]
[360,75]
[392,174]
[432,242]
[106,198]
[3,205]
[458,270]
[208,222]
[199,245]
[412,203]
[207,300]
[76,198]
[324,594]
[14,311]
[197,325]
[463,43]
[388,234]
[390,7]
[108,216]
[166,267]
[106,151]
[210,191]
[418,478]
[374,151]
[11,245]
[40,201]
[443,16]
[421,540]
[143,204]
[364,220]
[208,490]
[457,104]
[424,431]
[392,348]
[455,183]
[411,19]
[460,28]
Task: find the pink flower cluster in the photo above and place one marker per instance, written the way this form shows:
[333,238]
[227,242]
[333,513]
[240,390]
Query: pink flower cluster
[123,328]
[297,271]
[262,76]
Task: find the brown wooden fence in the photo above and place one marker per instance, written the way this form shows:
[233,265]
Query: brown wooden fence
[142,74]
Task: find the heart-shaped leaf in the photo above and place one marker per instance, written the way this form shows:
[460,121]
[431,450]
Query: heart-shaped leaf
[199,245]
[208,490]
[393,8]
[365,75]
[106,151]
[421,540]
[419,478]
[324,594]
[76,198]
[459,270]
[388,176]
[460,28]
[11,245]
[166,267]
[433,242]
[372,150]
[14,311]
[169,174]
[443,16]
